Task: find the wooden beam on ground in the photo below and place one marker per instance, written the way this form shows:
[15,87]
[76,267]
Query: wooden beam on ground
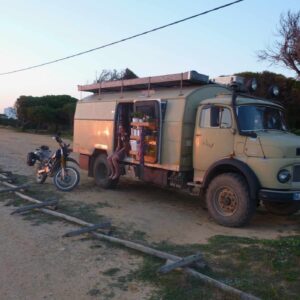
[138,247]
[88,229]
[9,179]
[10,202]
[15,188]
[6,174]
[204,278]
[34,206]
[186,261]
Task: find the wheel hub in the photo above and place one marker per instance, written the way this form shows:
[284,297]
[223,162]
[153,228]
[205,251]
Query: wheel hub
[227,202]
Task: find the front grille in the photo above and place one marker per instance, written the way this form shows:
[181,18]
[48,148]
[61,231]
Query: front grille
[296,173]
[298,151]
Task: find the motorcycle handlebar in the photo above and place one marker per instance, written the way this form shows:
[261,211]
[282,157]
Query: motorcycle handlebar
[61,143]
[57,138]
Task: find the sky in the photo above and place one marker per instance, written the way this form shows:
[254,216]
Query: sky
[222,42]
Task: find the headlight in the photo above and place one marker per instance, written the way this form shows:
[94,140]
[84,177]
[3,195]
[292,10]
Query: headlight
[283,176]
[273,91]
[251,85]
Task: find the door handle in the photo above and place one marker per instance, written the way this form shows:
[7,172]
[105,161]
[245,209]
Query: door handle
[198,134]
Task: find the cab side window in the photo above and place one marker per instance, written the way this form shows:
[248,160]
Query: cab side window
[205,118]
[215,117]
[225,118]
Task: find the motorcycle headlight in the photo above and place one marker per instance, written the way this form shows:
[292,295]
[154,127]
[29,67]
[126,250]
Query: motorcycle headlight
[283,176]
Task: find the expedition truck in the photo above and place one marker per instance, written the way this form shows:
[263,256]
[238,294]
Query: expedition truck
[209,137]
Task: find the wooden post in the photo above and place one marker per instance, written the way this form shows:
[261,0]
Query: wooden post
[12,189]
[88,229]
[99,92]
[186,261]
[34,206]
[10,202]
[9,179]
[149,86]
[181,84]
[122,88]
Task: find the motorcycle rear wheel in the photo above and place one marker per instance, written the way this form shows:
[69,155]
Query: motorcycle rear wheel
[40,178]
[69,182]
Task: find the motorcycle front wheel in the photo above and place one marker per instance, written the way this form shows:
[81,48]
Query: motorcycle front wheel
[69,181]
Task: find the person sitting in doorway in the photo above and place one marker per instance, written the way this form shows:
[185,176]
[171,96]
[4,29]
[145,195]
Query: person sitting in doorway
[120,153]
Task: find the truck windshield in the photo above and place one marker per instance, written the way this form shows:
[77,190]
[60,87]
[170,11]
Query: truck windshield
[260,118]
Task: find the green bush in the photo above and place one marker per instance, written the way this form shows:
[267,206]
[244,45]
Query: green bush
[47,113]
[296,131]
[8,122]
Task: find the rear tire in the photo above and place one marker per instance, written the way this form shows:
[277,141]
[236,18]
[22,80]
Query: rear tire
[282,208]
[101,171]
[228,200]
[40,178]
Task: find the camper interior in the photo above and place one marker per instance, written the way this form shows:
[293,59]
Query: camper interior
[142,121]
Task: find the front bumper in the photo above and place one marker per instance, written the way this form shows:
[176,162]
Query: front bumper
[278,196]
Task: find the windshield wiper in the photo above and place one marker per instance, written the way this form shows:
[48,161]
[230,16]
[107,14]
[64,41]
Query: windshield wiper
[250,133]
[273,129]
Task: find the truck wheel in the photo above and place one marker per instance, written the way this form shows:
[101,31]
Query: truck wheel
[101,173]
[228,200]
[282,208]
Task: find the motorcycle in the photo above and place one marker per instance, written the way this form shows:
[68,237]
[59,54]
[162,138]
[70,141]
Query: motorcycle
[65,177]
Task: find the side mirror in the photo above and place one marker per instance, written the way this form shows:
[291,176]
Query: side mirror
[56,138]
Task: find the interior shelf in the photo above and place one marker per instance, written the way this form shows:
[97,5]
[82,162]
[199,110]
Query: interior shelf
[133,152]
[151,141]
[150,125]
[147,158]
[135,137]
[138,138]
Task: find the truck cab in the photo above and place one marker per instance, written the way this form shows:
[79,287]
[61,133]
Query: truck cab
[249,154]
[209,137]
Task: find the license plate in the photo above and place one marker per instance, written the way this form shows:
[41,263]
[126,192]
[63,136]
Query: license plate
[297,196]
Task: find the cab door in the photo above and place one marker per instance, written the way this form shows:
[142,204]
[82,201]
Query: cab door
[213,138]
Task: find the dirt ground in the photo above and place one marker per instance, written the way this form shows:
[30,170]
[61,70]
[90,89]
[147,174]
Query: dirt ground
[37,263]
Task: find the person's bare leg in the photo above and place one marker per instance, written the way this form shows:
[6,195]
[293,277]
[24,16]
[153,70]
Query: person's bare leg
[111,166]
[115,161]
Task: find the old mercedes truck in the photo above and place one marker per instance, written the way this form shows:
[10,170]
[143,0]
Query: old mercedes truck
[210,137]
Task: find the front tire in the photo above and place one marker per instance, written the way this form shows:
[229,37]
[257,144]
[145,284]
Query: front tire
[70,181]
[282,208]
[228,200]
[102,171]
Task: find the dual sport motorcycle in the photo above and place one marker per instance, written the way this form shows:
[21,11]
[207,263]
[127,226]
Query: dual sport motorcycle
[65,177]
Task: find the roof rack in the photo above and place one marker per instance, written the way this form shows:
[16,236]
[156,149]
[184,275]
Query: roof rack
[180,79]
